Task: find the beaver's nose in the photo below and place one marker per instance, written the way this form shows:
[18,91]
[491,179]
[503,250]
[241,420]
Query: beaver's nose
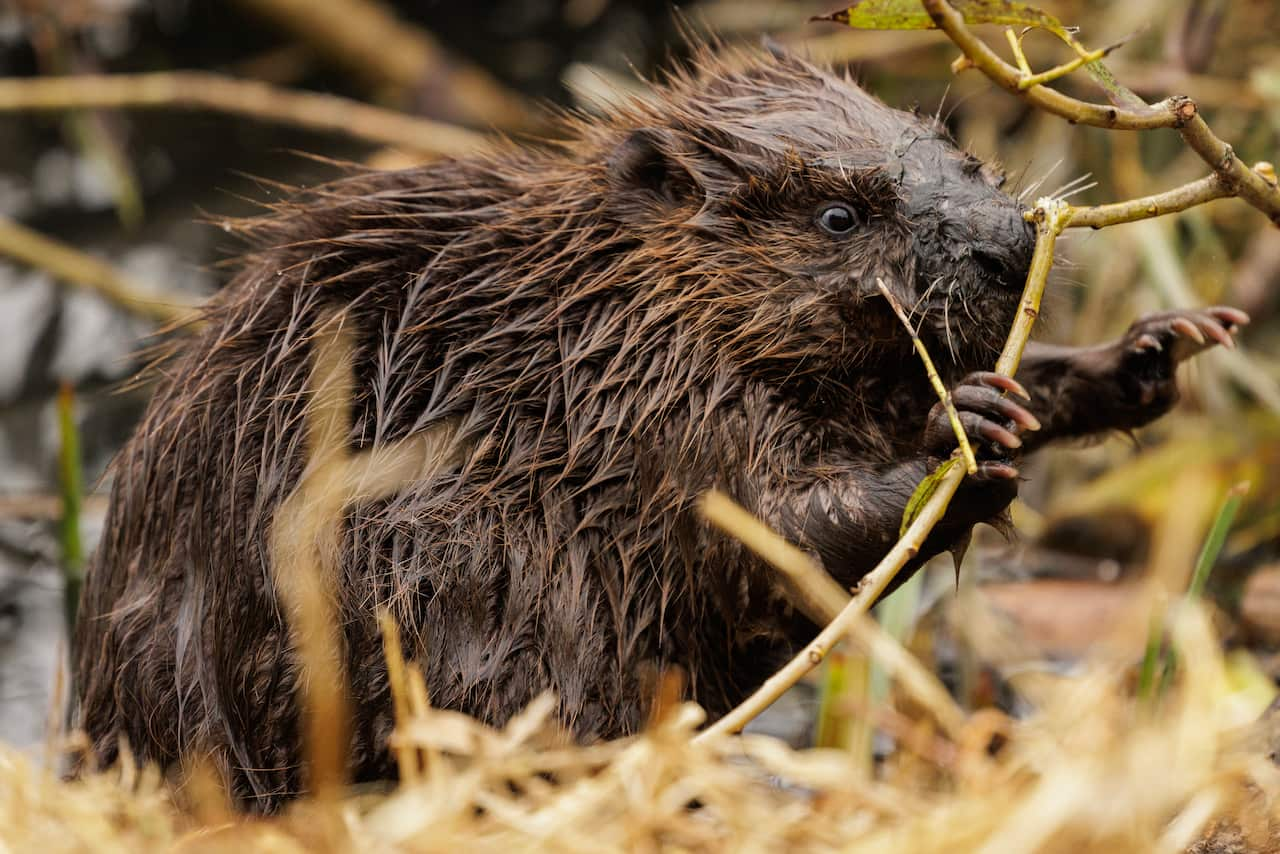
[1001,241]
[964,226]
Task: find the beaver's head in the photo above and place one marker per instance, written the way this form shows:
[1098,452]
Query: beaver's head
[782,192]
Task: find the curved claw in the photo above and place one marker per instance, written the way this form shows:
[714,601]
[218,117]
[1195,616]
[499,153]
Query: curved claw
[1157,343]
[1218,333]
[999,381]
[1147,341]
[990,415]
[996,471]
[989,430]
[1185,327]
[989,401]
[1234,316]
[1183,334]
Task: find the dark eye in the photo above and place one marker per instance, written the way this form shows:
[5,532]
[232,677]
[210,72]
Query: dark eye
[837,219]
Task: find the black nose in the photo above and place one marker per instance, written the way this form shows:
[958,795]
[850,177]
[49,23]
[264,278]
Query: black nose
[1001,241]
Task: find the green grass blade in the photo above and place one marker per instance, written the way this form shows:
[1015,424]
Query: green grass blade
[1159,664]
[853,681]
[897,615]
[1151,659]
[833,730]
[1217,537]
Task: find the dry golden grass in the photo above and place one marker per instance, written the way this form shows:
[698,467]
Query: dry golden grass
[1094,770]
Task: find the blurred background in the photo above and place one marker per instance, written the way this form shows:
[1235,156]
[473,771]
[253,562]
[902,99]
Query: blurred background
[126,195]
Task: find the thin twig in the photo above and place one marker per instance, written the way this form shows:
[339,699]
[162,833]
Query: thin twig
[407,757]
[46,507]
[305,539]
[1048,219]
[1256,186]
[368,39]
[966,450]
[75,267]
[1015,45]
[1051,74]
[1168,113]
[203,90]
[853,622]
[820,596]
[1189,195]
[846,623]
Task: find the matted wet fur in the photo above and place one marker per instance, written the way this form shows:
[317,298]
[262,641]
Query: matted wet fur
[663,303]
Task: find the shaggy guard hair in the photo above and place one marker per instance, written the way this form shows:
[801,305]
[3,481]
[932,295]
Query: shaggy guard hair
[616,322]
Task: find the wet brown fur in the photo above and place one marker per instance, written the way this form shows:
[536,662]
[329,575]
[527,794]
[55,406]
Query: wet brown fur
[617,322]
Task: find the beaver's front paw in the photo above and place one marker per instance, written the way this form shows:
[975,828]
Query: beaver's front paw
[992,420]
[1153,347]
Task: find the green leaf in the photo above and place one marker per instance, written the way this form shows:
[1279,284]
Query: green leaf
[924,491]
[882,15]
[1118,94]
[910,15]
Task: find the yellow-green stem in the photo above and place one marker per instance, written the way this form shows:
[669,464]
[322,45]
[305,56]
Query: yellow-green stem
[1197,192]
[966,450]
[1048,219]
[852,621]
[1049,75]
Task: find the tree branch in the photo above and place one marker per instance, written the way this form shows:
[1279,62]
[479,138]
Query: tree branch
[203,90]
[73,266]
[1257,186]
[851,620]
[369,40]
[1168,113]
[1197,192]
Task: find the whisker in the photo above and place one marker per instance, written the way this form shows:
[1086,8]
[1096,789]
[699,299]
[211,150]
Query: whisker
[1073,182]
[946,325]
[1022,176]
[937,114]
[1045,177]
[1088,186]
[965,305]
[957,105]
[929,290]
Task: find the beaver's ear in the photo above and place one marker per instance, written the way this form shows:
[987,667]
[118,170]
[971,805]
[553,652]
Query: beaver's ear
[653,168]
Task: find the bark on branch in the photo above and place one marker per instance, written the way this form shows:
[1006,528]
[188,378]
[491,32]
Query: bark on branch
[1257,186]
[203,90]
[369,40]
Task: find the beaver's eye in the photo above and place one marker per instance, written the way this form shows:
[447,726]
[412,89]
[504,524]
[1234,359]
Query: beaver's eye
[837,219]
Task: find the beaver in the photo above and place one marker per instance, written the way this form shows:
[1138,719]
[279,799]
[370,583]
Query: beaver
[676,296]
